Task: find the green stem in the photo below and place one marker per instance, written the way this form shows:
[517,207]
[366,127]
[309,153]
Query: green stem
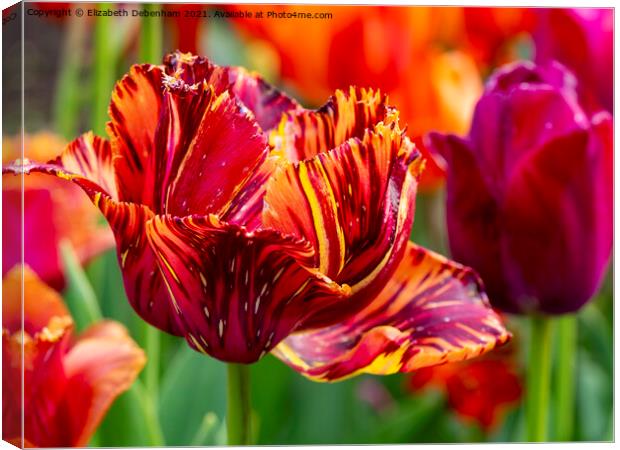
[564,405]
[67,93]
[238,414]
[152,346]
[538,379]
[103,70]
[151,37]
[149,415]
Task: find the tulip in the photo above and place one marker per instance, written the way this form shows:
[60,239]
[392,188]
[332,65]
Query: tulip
[68,383]
[249,225]
[47,205]
[529,202]
[590,54]
[529,195]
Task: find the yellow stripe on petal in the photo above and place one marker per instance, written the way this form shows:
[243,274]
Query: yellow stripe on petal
[317,216]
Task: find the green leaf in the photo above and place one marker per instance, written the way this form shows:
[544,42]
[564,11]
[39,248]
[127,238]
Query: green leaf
[126,423]
[79,294]
[271,389]
[594,400]
[205,435]
[193,386]
[595,334]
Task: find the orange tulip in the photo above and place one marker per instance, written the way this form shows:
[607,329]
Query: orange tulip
[68,383]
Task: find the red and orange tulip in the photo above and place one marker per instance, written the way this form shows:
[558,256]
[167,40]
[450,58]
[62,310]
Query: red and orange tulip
[47,206]
[68,383]
[248,224]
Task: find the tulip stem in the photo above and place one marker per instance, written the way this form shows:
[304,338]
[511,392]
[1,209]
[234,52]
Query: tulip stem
[152,347]
[238,415]
[564,405]
[538,379]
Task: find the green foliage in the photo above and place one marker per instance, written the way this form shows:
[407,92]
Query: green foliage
[193,385]
[79,294]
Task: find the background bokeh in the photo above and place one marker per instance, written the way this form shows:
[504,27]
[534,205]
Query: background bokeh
[433,63]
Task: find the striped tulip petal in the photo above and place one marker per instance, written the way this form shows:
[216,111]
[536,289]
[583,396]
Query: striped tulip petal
[266,103]
[237,294]
[226,150]
[134,112]
[355,204]
[199,127]
[303,134]
[432,311]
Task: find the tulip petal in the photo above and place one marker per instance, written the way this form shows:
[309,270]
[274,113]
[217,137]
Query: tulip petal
[512,94]
[91,157]
[180,115]
[473,216]
[32,355]
[558,220]
[104,362]
[227,149]
[41,302]
[43,387]
[354,204]
[266,103]
[41,239]
[134,111]
[224,286]
[433,311]
[306,133]
[45,381]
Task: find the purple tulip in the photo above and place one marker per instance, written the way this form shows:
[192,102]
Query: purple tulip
[529,202]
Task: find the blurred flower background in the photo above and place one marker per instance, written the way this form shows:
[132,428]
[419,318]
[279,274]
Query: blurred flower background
[433,62]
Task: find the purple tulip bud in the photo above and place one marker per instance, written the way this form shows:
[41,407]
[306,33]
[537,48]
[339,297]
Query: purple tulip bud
[529,202]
